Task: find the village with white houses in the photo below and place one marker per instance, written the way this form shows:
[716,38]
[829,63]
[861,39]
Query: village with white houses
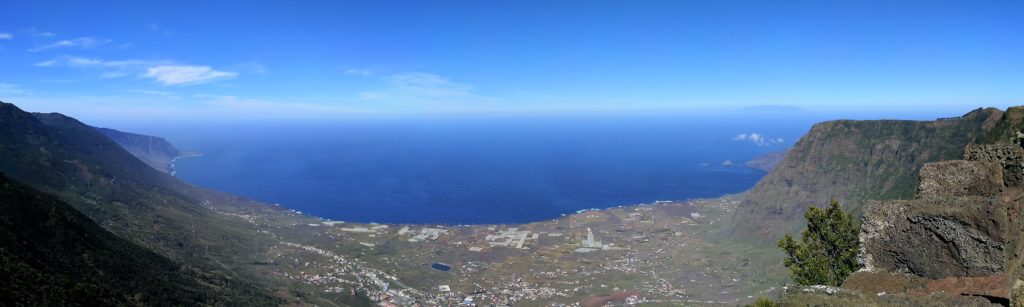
[589,258]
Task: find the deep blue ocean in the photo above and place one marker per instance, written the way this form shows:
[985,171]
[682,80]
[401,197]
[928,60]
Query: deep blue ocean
[473,171]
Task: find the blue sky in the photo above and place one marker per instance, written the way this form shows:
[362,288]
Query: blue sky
[304,59]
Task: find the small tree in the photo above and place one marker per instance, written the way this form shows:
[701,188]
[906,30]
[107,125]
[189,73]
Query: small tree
[827,251]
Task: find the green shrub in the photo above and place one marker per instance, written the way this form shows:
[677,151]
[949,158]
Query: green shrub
[827,251]
[764,302]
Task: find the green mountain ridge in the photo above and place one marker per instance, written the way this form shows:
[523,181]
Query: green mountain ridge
[214,248]
[855,161]
[79,165]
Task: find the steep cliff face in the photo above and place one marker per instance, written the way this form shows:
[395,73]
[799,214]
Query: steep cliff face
[155,151]
[853,161]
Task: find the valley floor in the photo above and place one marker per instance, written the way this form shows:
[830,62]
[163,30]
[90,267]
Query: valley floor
[655,253]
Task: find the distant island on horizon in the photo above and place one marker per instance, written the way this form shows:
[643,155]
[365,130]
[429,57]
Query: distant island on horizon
[457,259]
[487,154]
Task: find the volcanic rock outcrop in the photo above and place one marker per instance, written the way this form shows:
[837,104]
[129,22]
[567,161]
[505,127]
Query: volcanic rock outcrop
[964,224]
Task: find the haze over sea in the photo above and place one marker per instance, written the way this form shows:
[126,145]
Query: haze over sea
[474,171]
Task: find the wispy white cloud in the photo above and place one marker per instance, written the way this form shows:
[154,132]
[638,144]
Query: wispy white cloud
[10,89]
[5,35]
[419,86]
[186,75]
[87,42]
[359,72]
[38,33]
[81,62]
[430,85]
[114,74]
[148,92]
[166,104]
[758,139]
[164,72]
[156,28]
